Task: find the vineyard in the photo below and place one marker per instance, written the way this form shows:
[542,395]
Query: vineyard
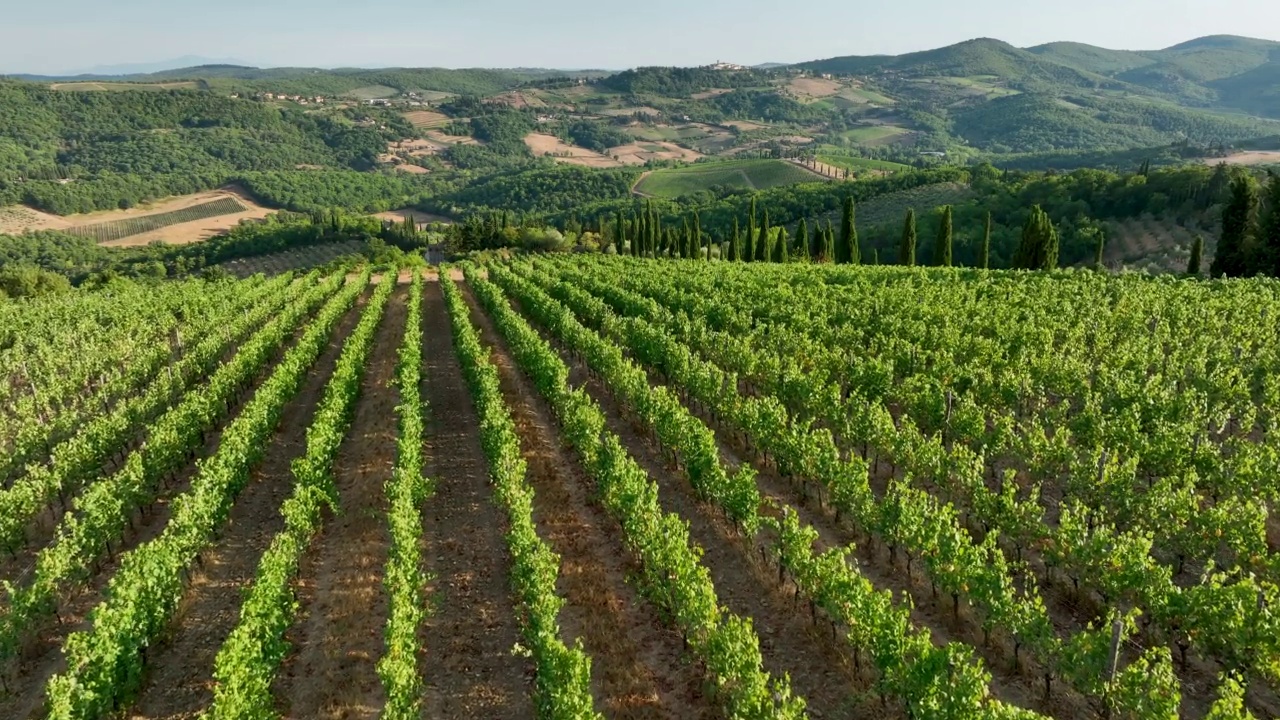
[743,174]
[609,487]
[113,230]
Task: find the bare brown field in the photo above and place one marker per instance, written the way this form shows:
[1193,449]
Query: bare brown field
[743,124]
[16,219]
[412,169]
[1253,157]
[446,140]
[622,112]
[810,87]
[109,86]
[639,153]
[519,100]
[186,233]
[426,118]
[551,146]
[418,216]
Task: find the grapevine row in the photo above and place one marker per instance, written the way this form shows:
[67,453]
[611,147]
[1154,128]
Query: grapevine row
[563,673]
[1119,564]
[98,517]
[81,457]
[932,681]
[672,575]
[246,664]
[406,490]
[105,664]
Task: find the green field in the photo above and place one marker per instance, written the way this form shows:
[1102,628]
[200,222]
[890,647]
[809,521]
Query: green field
[373,92]
[743,174]
[120,229]
[860,163]
[874,134]
[122,86]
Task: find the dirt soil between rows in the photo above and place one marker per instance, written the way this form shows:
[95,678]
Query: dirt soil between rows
[639,669]
[42,656]
[180,678]
[470,667]
[337,639]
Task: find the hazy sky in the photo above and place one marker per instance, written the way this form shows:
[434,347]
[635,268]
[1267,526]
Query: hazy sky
[53,36]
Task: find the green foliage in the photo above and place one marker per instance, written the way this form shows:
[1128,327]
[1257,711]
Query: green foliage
[1231,258]
[550,188]
[680,82]
[717,177]
[1039,247]
[598,136]
[907,248]
[942,245]
[28,281]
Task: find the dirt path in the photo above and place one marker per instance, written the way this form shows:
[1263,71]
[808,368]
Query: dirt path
[820,669]
[638,665]
[338,636]
[42,657]
[180,679]
[469,666]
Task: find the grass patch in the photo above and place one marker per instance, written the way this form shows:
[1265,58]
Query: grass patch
[847,162]
[740,174]
[874,134]
[373,92]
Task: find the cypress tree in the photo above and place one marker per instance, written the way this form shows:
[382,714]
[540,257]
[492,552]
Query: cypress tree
[619,231]
[942,250]
[1197,252]
[696,249]
[1098,262]
[802,239]
[829,243]
[1237,216]
[762,242]
[686,244]
[1038,249]
[855,252]
[907,248]
[752,233]
[735,242]
[783,255]
[844,252]
[984,257]
[1269,229]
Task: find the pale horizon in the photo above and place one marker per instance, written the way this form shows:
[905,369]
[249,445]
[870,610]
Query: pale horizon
[70,36]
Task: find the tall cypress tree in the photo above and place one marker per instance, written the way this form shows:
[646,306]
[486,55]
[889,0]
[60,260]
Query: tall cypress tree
[1197,253]
[1269,229]
[686,245]
[855,251]
[783,254]
[844,253]
[802,239]
[1038,247]
[984,256]
[1237,218]
[762,242]
[829,242]
[735,241]
[752,233]
[942,250]
[696,250]
[907,248]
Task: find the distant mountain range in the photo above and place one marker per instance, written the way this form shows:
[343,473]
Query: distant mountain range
[146,68]
[1222,71]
